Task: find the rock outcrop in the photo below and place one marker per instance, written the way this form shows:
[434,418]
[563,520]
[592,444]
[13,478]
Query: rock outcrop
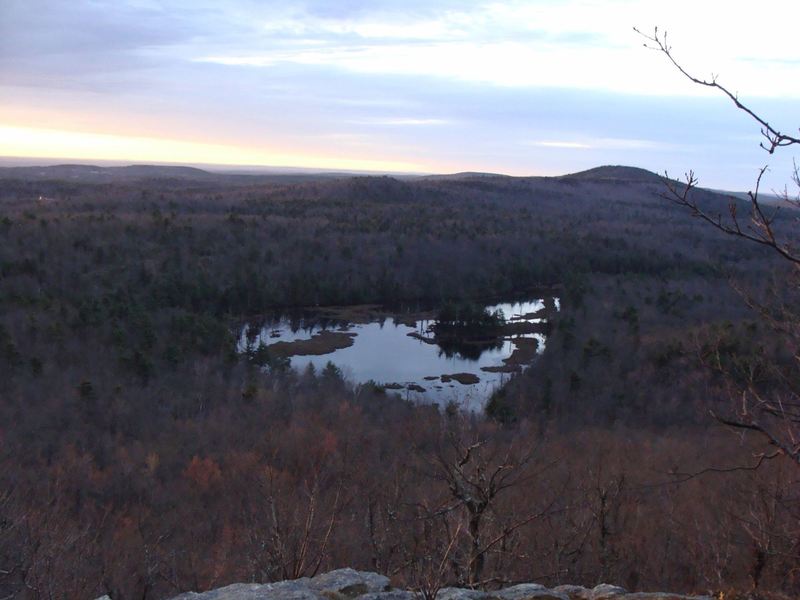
[348,584]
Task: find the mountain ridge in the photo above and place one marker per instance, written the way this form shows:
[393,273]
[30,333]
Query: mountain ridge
[188,175]
[616,172]
[91,173]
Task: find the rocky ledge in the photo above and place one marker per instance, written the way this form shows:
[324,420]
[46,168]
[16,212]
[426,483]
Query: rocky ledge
[348,584]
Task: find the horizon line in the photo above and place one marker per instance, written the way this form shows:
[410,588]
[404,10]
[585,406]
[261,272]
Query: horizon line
[222,168]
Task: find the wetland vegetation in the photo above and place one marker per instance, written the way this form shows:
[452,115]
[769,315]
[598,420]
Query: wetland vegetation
[425,353]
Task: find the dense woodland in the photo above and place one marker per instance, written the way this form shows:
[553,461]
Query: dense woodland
[141,456]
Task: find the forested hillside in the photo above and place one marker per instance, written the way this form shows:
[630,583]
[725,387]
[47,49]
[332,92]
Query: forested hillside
[141,456]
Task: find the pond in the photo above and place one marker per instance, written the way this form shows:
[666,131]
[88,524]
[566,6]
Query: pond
[402,352]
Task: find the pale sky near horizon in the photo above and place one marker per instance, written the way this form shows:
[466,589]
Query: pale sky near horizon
[520,87]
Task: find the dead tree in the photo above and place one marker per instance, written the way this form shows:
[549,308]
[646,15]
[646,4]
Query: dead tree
[476,474]
[772,415]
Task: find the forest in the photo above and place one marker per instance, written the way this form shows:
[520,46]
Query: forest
[141,456]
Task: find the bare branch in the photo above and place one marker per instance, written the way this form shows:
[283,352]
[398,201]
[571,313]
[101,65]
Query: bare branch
[760,231]
[775,138]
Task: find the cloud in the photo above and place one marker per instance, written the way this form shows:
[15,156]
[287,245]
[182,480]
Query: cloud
[567,145]
[402,122]
[447,85]
[580,44]
[21,142]
[603,144]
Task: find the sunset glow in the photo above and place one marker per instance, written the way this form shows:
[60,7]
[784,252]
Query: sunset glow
[520,87]
[51,143]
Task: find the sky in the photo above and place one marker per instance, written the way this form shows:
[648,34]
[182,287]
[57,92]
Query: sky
[538,87]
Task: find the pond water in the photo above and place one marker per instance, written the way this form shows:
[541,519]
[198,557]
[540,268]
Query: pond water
[384,352]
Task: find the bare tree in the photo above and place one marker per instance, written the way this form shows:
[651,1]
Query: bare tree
[477,473]
[429,570]
[773,413]
[300,532]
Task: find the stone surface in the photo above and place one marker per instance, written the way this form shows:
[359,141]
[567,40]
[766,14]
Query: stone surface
[663,596]
[253,591]
[574,592]
[391,595]
[529,591]
[451,593]
[349,584]
[606,590]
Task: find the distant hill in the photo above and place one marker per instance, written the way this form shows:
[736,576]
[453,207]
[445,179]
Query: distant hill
[96,174]
[616,173]
[772,199]
[466,175]
[389,188]
[86,173]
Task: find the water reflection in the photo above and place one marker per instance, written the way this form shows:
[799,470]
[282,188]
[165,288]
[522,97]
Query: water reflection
[406,356]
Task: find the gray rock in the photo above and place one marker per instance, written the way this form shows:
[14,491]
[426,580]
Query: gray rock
[335,585]
[522,588]
[350,583]
[292,594]
[529,591]
[663,596]
[254,591]
[391,595]
[574,592]
[293,589]
[606,590]
[461,594]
